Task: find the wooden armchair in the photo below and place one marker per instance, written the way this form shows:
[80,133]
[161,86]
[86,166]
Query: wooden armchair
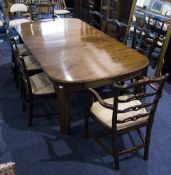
[148,38]
[132,110]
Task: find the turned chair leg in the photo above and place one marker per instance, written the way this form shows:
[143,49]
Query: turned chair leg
[147,142]
[23,98]
[115,152]
[30,112]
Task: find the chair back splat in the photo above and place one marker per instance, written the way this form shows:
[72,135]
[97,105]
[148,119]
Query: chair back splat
[96,19]
[114,28]
[59,4]
[131,108]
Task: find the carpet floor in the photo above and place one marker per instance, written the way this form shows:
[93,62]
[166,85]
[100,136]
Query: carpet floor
[42,149]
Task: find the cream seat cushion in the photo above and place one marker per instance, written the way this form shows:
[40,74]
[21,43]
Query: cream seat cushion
[23,51]
[16,22]
[61,12]
[104,115]
[40,84]
[31,63]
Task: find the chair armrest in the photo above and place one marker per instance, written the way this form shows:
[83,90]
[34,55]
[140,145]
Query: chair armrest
[145,80]
[100,100]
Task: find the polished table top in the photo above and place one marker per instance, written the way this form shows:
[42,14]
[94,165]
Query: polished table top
[72,51]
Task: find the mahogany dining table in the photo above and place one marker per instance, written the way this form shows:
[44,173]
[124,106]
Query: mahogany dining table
[77,56]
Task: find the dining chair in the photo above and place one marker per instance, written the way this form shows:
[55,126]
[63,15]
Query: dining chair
[115,28]
[132,108]
[20,50]
[42,10]
[149,40]
[157,32]
[60,8]
[37,86]
[96,19]
[19,8]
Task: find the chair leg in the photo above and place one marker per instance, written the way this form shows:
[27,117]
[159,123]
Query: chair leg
[23,98]
[147,142]
[21,89]
[15,75]
[30,112]
[115,151]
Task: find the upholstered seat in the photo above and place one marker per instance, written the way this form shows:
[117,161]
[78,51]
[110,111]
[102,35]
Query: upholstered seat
[61,12]
[122,115]
[105,115]
[16,22]
[40,84]
[22,49]
[31,63]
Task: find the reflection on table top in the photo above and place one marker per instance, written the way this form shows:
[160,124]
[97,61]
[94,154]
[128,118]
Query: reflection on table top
[72,51]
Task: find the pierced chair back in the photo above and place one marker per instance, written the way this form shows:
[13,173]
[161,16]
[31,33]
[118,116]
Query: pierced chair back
[114,28]
[139,102]
[96,19]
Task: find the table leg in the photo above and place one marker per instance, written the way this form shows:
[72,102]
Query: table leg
[63,102]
